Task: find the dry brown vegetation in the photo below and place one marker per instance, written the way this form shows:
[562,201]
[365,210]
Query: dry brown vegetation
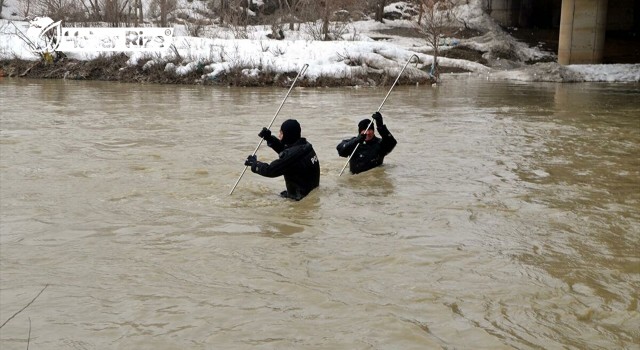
[116,68]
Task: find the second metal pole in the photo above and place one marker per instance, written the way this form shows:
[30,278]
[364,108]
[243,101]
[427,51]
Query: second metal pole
[379,108]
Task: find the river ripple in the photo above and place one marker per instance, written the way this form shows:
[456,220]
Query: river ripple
[508,217]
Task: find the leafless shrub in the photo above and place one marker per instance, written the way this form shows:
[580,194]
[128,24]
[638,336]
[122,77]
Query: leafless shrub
[318,30]
[354,35]
[196,28]
[350,60]
[212,32]
[438,17]
[233,19]
[277,51]
[69,10]
[176,53]
[277,31]
[263,46]
[328,19]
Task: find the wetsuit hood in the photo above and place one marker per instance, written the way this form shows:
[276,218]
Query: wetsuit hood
[363,125]
[290,131]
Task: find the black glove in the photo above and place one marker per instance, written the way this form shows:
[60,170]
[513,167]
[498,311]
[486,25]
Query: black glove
[378,118]
[360,138]
[265,133]
[251,161]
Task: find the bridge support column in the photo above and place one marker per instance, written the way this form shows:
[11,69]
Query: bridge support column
[582,31]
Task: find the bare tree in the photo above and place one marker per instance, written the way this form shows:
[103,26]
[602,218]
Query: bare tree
[232,12]
[379,16]
[92,8]
[293,6]
[114,11]
[137,11]
[56,9]
[438,20]
[162,9]
[224,8]
[328,11]
[25,7]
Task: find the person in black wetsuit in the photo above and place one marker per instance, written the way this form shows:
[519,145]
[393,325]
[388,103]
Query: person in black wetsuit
[372,149]
[297,161]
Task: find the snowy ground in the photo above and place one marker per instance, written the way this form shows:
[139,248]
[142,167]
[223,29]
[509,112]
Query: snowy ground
[356,54]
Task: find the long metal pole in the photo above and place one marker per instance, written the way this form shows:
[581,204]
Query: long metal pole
[379,108]
[300,73]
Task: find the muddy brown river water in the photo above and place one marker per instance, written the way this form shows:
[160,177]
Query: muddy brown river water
[508,217]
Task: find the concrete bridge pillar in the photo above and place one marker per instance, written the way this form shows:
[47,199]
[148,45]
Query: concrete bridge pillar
[582,31]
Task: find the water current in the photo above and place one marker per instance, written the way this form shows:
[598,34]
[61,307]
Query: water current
[508,217]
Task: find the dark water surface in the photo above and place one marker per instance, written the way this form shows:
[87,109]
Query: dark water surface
[508,217]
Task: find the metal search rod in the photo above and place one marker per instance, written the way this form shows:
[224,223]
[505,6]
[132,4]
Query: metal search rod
[379,108]
[300,73]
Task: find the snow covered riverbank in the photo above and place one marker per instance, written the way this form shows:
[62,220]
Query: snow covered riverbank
[370,53]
